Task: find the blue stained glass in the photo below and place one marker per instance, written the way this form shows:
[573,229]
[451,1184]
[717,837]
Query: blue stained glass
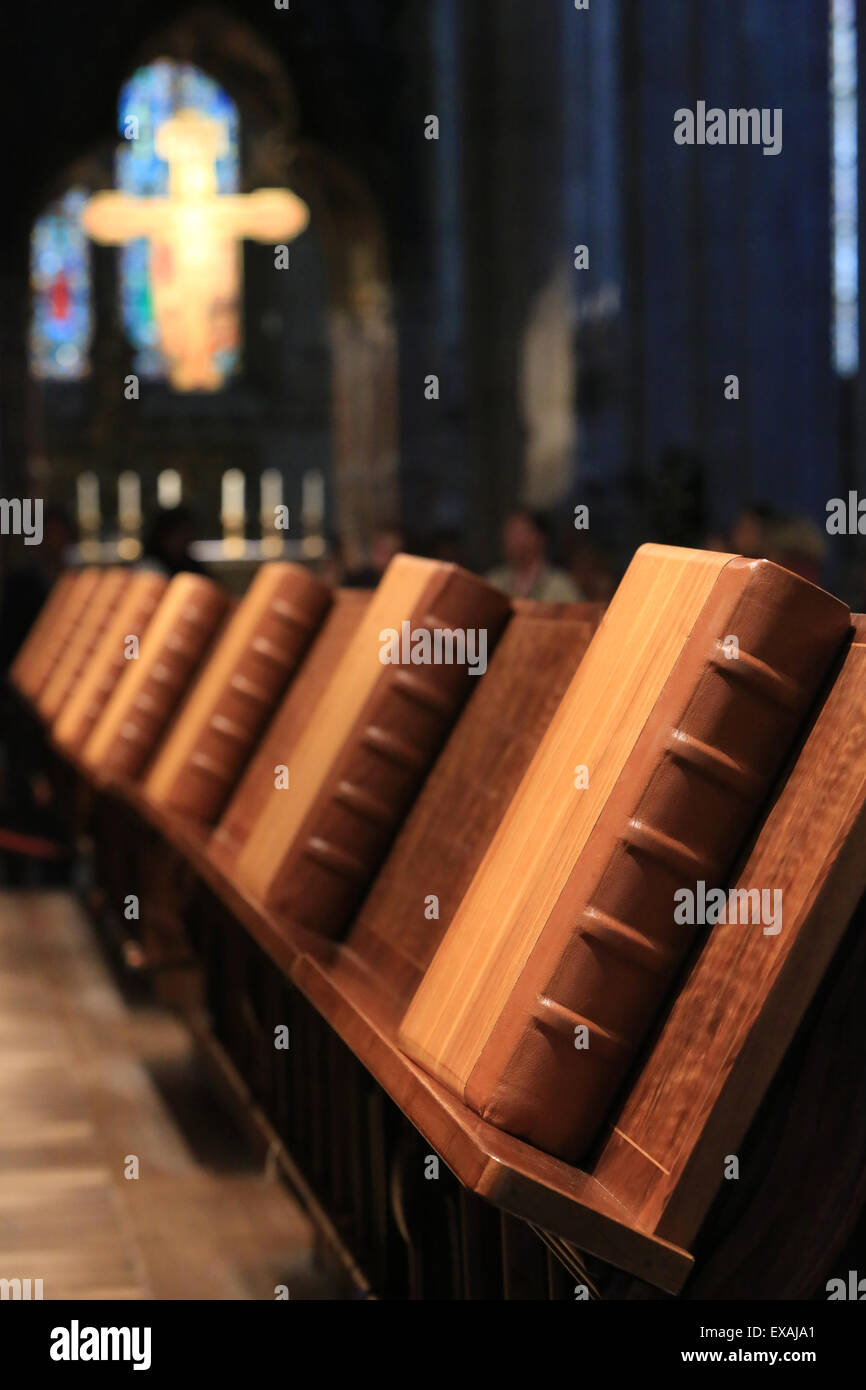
[61,323]
[843,94]
[152,96]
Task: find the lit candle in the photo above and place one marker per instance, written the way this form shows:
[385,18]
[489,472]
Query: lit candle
[129,515]
[312,500]
[89,516]
[313,513]
[87,488]
[233,505]
[169,488]
[271,491]
[233,513]
[271,494]
[129,501]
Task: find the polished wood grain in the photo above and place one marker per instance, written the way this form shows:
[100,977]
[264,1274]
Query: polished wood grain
[474,776]
[544,829]
[419,888]
[795,1216]
[148,691]
[327,650]
[589,897]
[504,1171]
[235,691]
[392,939]
[700,1083]
[21,670]
[361,986]
[78,653]
[281,815]
[57,636]
[154,850]
[632,1202]
[354,770]
[96,684]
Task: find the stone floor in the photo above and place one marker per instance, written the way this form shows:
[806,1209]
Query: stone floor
[95,1087]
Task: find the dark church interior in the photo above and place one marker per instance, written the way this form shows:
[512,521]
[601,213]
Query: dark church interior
[433,760]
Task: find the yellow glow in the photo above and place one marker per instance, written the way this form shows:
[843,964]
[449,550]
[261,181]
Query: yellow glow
[313,547]
[194,234]
[88,507]
[233,498]
[129,500]
[169,488]
[234,547]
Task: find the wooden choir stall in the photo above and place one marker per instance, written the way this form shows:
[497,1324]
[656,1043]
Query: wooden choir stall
[526,939]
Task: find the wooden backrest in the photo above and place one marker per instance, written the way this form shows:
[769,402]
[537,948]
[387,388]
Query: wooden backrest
[235,691]
[74,659]
[378,727]
[656,763]
[107,663]
[150,688]
[298,704]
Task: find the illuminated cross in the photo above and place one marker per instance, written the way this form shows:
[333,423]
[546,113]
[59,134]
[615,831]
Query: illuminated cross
[195,237]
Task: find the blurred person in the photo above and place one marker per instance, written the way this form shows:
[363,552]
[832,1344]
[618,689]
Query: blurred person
[169,535]
[331,566]
[675,496]
[798,544]
[388,540]
[751,533]
[717,541]
[447,545]
[527,571]
[795,542]
[592,570]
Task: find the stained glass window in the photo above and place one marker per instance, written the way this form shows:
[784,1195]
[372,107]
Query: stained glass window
[61,324]
[152,95]
[843,94]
